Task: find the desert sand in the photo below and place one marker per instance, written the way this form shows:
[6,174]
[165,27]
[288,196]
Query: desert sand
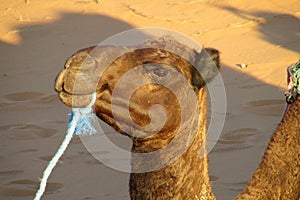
[37,36]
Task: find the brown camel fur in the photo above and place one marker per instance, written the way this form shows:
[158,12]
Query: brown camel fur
[278,175]
[188,176]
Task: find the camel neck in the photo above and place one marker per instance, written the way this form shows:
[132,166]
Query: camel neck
[185,178]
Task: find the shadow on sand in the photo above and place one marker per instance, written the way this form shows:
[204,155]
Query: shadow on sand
[276,28]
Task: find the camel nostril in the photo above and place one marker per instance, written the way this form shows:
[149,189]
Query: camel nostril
[59,82]
[62,86]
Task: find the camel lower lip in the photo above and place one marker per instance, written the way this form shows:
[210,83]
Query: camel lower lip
[121,125]
[121,121]
[78,92]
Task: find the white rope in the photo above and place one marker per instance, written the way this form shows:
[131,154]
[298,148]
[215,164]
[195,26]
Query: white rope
[56,157]
[62,148]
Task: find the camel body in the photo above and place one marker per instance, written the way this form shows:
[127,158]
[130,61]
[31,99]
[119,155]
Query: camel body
[278,175]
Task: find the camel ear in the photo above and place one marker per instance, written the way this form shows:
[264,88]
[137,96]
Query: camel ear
[207,63]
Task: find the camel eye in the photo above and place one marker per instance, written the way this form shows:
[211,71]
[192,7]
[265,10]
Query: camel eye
[160,72]
[157,71]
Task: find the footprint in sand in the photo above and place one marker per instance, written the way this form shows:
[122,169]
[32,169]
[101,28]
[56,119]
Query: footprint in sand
[29,96]
[269,107]
[27,131]
[26,187]
[22,96]
[22,102]
[10,172]
[241,138]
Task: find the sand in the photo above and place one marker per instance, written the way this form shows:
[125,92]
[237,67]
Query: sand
[36,37]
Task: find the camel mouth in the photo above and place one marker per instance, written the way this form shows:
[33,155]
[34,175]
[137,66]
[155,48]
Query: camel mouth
[71,99]
[75,100]
[118,120]
[117,114]
[123,126]
[75,86]
[80,97]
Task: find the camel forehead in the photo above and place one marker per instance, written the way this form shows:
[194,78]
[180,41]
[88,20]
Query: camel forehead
[151,57]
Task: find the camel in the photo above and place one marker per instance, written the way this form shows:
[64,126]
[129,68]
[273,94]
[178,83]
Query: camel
[187,176]
[278,175]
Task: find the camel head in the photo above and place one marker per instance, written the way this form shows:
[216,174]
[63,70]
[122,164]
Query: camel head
[131,85]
